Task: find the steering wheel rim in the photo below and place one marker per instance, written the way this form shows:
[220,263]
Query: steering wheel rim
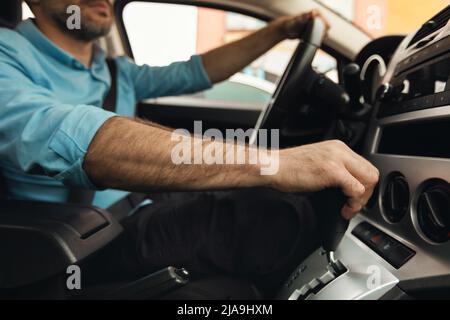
[299,65]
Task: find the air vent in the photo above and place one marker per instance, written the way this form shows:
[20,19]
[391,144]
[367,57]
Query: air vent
[395,198]
[433,212]
[436,23]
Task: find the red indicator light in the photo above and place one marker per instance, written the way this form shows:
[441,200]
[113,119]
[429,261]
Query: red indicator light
[376,238]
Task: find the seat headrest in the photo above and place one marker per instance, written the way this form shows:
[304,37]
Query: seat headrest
[10,13]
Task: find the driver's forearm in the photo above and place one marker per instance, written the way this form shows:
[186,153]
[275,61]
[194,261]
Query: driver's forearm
[221,63]
[136,156]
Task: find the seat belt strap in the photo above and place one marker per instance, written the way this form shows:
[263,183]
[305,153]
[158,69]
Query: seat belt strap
[110,101]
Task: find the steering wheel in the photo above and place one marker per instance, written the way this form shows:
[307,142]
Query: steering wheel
[287,90]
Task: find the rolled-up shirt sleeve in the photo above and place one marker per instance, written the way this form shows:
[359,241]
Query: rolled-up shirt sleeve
[175,79]
[41,135]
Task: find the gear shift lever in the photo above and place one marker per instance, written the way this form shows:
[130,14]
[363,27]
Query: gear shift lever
[332,226]
[328,204]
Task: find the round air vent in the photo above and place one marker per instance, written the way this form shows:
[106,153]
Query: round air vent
[433,212]
[396,198]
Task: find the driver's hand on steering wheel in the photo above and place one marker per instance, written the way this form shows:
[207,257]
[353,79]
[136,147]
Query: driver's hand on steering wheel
[324,165]
[292,27]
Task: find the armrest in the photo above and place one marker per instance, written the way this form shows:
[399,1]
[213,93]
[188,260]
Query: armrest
[39,240]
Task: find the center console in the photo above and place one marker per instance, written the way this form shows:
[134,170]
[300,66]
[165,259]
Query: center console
[399,245]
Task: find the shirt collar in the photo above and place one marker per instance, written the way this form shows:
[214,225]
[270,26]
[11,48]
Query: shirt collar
[31,32]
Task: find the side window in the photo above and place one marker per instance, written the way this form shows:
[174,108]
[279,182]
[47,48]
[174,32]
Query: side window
[160,34]
[26,12]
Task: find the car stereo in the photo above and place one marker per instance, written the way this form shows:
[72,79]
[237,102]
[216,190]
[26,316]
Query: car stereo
[421,77]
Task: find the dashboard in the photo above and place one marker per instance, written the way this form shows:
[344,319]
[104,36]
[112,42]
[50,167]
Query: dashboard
[399,246]
[408,140]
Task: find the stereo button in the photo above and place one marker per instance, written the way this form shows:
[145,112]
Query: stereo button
[399,255]
[416,104]
[428,101]
[442,99]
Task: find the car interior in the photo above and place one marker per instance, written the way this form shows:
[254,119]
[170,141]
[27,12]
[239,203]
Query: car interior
[390,103]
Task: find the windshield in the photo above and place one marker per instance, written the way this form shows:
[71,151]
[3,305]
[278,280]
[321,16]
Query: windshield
[386,17]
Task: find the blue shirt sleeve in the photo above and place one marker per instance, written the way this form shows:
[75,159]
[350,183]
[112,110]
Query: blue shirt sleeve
[41,135]
[175,79]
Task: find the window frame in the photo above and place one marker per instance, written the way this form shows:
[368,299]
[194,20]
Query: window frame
[119,6]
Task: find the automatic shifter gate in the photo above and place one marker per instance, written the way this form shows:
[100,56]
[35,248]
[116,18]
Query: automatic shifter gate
[327,204]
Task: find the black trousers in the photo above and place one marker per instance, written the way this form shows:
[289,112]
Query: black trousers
[256,234]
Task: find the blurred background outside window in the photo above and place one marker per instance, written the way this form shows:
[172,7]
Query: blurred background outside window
[386,17]
[163,33]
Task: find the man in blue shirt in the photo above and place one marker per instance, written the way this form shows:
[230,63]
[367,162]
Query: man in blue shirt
[54,136]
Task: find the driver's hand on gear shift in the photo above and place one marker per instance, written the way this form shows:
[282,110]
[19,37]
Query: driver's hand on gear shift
[324,165]
[292,27]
